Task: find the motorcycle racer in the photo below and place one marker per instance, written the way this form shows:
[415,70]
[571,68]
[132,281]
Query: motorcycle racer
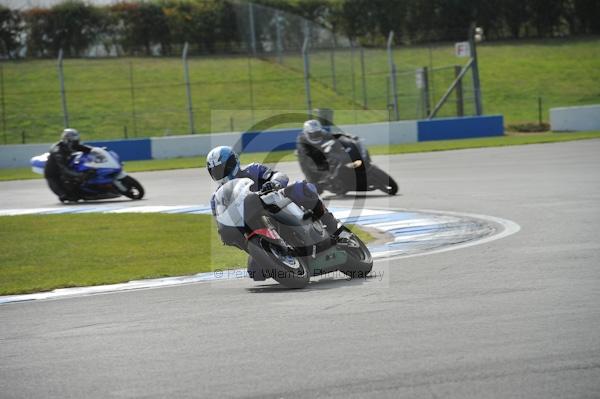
[223,165]
[61,179]
[315,164]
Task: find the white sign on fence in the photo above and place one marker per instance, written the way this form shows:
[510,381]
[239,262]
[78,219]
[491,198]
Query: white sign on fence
[462,49]
[419,78]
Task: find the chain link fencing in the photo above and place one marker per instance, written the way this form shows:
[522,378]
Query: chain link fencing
[283,62]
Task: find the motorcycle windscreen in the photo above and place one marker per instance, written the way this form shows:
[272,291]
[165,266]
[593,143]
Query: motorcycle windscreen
[38,163]
[229,202]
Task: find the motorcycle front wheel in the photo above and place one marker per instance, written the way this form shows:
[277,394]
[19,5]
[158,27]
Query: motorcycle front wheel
[133,188]
[288,271]
[360,261]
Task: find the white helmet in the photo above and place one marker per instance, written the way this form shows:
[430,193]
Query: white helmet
[313,131]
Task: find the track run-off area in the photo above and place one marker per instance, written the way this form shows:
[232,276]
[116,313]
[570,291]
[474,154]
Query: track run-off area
[407,233]
[512,317]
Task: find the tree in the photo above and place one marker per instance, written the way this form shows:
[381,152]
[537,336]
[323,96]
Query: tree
[76,26]
[545,16]
[72,26]
[358,19]
[140,27]
[39,31]
[588,15]
[11,28]
[515,13]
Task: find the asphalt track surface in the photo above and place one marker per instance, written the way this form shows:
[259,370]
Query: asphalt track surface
[516,317]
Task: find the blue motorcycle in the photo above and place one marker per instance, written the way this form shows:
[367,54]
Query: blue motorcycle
[108,180]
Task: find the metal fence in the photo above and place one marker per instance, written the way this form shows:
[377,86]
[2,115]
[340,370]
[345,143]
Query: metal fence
[289,63]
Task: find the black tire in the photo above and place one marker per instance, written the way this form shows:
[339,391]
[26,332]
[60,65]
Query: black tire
[265,255]
[360,261]
[382,180]
[133,188]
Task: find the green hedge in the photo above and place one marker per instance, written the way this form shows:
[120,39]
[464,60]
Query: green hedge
[151,27]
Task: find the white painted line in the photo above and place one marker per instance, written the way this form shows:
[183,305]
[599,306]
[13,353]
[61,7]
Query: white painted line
[508,228]
[413,223]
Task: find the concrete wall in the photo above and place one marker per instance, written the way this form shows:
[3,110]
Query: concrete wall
[385,132]
[13,156]
[18,155]
[191,146]
[575,118]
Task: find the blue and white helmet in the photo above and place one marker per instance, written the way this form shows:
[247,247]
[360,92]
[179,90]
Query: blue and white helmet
[222,164]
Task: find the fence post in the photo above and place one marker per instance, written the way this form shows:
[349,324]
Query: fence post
[475,71]
[426,97]
[63,95]
[188,89]
[449,90]
[392,67]
[3,104]
[251,89]
[332,61]
[306,31]
[460,110]
[353,81]
[430,75]
[132,90]
[307,76]
[387,91]
[363,78]
[278,38]
[252,32]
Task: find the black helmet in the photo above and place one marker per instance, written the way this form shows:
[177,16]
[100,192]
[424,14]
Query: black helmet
[70,137]
[313,131]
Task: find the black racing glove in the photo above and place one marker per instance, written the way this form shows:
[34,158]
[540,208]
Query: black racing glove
[270,185]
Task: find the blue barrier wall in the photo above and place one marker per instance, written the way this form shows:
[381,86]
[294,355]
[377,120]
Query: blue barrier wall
[269,141]
[460,128]
[128,150]
[14,156]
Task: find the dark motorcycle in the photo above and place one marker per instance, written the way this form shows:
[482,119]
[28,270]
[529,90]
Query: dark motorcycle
[282,240]
[350,169]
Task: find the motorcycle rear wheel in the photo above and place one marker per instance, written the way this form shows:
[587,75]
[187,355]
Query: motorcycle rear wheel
[382,180]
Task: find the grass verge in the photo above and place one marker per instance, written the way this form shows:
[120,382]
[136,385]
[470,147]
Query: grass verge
[44,252]
[285,156]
